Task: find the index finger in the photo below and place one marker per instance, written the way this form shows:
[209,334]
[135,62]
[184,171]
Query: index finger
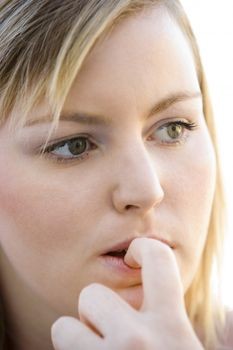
[162,285]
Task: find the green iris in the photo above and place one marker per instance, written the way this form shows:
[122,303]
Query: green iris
[174,131]
[77,146]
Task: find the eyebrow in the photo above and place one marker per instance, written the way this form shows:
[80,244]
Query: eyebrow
[170,100]
[90,119]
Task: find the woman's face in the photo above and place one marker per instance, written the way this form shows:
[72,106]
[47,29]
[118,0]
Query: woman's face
[131,157]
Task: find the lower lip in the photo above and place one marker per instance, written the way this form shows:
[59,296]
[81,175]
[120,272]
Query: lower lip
[117,264]
[126,280]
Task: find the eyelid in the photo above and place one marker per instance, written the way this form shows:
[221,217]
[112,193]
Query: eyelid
[46,153]
[56,142]
[176,119]
[187,125]
[172,120]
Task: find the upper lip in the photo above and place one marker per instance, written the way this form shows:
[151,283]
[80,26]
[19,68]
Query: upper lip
[124,245]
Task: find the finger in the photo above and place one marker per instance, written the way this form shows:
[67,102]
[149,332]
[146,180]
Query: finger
[162,285]
[69,333]
[104,310]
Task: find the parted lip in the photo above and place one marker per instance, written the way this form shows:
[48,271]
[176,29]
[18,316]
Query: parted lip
[124,245]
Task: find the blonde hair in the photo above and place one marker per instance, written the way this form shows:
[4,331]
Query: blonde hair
[43,45]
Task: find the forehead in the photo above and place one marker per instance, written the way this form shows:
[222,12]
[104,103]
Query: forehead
[147,50]
[142,60]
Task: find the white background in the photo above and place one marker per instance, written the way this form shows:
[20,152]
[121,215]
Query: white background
[212,22]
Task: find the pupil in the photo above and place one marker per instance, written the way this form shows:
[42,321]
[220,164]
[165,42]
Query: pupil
[77,146]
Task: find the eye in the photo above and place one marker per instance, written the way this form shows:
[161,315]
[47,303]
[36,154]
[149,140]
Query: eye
[74,148]
[173,132]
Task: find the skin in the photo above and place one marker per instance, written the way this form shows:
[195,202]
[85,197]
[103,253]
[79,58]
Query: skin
[57,218]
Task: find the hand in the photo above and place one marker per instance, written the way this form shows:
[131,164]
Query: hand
[112,324]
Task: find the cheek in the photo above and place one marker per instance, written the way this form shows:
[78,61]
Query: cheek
[194,199]
[201,182]
[46,222]
[43,216]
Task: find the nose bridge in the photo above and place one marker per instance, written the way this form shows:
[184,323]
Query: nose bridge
[138,181]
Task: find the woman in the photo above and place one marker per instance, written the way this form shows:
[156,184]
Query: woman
[110,187]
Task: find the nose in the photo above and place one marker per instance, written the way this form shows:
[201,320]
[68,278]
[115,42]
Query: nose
[138,186]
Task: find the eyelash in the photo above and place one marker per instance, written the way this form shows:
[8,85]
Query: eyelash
[184,126]
[47,151]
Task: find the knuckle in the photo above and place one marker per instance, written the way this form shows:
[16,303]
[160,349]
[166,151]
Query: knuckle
[139,339]
[163,252]
[59,324]
[59,329]
[87,292]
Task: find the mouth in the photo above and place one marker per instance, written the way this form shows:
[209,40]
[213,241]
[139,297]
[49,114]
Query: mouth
[114,258]
[119,272]
[116,254]
[120,254]
[119,250]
